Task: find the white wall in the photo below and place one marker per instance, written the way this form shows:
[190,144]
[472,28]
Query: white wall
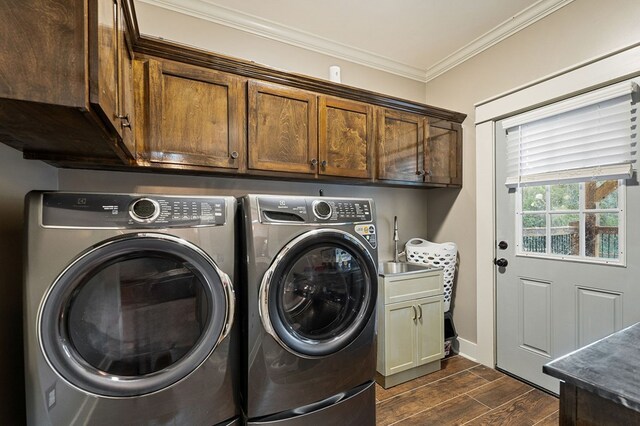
[17,177]
[579,32]
[159,22]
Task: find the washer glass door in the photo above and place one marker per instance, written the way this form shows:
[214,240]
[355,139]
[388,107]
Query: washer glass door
[319,293]
[135,314]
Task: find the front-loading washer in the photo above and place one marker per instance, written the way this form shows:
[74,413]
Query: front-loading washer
[309,335]
[129,310]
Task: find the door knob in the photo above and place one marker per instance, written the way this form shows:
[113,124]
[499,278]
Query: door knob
[502,245]
[502,262]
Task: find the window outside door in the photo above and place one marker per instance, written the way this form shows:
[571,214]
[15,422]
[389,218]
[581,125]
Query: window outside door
[568,274]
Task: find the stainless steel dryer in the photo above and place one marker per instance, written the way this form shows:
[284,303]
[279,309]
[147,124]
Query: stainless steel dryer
[129,310]
[309,308]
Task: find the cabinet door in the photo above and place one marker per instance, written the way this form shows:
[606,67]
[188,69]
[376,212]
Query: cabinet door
[443,156]
[346,138]
[192,115]
[430,328]
[104,74]
[400,146]
[43,49]
[125,86]
[111,84]
[282,130]
[400,337]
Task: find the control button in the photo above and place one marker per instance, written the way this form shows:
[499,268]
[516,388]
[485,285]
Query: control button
[144,210]
[321,209]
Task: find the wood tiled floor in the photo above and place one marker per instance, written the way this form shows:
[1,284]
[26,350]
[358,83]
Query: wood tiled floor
[465,393]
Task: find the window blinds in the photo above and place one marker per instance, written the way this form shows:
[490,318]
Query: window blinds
[591,136]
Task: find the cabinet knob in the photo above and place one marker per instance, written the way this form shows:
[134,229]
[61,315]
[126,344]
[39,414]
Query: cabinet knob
[428,172]
[234,154]
[314,162]
[323,163]
[420,172]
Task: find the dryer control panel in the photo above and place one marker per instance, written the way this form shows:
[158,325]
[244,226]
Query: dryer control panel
[116,211]
[287,209]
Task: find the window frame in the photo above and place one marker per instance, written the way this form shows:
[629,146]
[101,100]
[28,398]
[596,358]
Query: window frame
[581,211]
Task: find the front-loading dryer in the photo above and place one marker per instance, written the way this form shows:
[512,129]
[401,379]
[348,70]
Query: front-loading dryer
[309,337]
[129,309]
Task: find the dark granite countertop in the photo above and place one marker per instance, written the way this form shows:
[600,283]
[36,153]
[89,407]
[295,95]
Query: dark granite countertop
[609,367]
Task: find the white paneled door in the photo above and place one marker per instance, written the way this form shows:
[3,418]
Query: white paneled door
[568,267]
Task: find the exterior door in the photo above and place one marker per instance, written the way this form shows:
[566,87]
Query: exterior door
[319,293]
[134,315]
[567,268]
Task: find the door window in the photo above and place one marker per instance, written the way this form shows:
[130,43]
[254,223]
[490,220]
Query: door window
[572,221]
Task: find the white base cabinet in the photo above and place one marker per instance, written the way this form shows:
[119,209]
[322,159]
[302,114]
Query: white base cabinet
[410,325]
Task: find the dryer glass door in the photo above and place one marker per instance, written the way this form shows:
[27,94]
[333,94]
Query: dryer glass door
[319,296]
[135,315]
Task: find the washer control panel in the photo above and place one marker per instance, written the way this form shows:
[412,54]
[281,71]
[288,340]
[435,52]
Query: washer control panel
[110,211]
[314,210]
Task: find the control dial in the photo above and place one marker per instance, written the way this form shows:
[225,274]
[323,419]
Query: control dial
[322,209]
[144,210]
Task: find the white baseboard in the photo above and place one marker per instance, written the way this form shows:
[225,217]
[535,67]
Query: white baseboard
[467,349]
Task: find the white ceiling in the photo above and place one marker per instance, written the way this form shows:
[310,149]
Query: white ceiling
[418,39]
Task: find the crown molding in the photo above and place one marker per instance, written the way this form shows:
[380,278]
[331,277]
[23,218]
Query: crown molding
[207,10]
[492,37]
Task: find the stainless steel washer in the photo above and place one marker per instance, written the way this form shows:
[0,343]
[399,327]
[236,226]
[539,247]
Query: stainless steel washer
[129,309]
[309,310]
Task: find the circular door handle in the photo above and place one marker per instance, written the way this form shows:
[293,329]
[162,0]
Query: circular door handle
[314,162]
[502,262]
[234,154]
[502,245]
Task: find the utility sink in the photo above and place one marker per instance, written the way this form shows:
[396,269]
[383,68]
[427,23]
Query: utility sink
[401,268]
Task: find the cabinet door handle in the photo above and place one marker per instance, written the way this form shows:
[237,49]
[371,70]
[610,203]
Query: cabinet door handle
[420,309]
[420,172]
[314,162]
[415,314]
[124,120]
[234,154]
[324,163]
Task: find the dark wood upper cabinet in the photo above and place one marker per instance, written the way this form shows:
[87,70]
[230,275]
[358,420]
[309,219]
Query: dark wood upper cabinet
[419,149]
[61,74]
[443,156]
[110,66]
[80,87]
[346,138]
[282,130]
[189,115]
[401,137]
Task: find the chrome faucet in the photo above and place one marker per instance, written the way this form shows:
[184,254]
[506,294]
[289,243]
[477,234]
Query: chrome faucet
[396,255]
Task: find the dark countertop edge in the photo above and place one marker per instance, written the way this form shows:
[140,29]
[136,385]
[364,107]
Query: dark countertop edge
[580,382]
[592,387]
